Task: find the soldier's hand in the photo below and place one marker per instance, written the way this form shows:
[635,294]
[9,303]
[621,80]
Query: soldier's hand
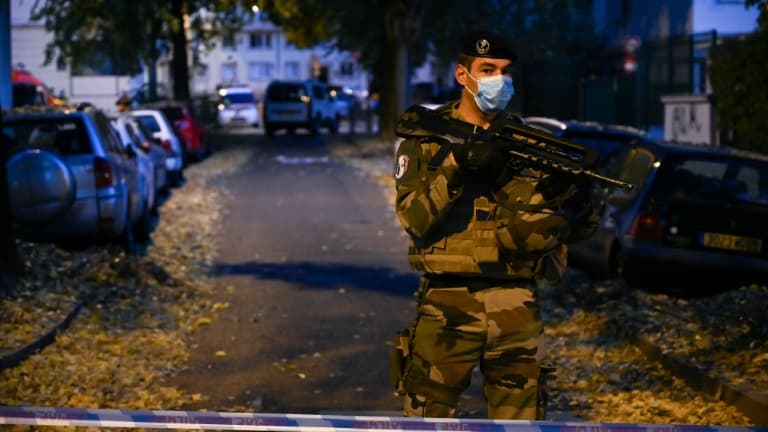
[474,156]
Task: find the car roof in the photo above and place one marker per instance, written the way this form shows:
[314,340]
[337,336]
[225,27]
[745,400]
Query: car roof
[664,148]
[555,125]
[240,88]
[46,111]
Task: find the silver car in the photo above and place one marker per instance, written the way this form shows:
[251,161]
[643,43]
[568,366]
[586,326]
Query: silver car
[151,147]
[162,129]
[70,177]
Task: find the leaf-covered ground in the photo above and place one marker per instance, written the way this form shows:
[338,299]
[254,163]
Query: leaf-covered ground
[138,312]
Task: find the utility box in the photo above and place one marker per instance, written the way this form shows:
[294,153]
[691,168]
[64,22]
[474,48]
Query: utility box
[690,118]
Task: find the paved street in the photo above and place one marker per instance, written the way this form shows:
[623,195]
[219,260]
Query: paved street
[314,268]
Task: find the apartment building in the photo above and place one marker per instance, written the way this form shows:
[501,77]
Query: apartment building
[260,53]
[256,55]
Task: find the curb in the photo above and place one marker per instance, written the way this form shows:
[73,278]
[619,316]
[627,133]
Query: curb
[10,359]
[753,404]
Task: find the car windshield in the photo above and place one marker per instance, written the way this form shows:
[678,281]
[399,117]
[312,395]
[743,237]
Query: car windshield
[285,93]
[65,136]
[713,178]
[237,98]
[149,122]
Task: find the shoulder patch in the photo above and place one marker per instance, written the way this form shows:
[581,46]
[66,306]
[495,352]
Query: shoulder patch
[402,166]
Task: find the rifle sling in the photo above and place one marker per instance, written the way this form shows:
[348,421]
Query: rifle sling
[445,148]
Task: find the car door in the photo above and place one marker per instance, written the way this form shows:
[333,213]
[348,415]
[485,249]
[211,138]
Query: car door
[125,162]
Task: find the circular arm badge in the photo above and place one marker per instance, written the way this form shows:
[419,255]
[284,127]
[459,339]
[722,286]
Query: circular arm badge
[402,166]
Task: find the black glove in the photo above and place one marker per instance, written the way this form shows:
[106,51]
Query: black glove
[475,156]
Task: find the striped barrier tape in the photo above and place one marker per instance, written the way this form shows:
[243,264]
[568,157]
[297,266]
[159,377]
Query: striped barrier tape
[114,418]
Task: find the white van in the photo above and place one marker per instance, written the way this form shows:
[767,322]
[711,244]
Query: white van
[291,105]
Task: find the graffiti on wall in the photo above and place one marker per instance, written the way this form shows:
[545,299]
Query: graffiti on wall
[688,119]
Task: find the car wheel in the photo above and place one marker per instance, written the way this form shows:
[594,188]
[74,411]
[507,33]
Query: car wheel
[616,263]
[143,226]
[334,126]
[269,130]
[314,127]
[127,240]
[177,178]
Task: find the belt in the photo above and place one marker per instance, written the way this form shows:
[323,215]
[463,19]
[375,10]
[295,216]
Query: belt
[475,283]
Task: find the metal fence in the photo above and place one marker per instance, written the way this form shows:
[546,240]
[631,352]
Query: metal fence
[559,87]
[671,66]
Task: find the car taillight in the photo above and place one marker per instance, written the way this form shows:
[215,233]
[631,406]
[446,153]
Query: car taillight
[166,143]
[647,225]
[102,172]
[146,145]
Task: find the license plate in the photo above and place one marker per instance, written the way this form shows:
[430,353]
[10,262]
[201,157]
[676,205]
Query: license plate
[732,242]
[238,119]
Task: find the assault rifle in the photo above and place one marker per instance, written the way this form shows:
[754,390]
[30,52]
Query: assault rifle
[525,145]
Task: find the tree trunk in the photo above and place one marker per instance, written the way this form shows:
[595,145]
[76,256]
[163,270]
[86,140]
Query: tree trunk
[393,89]
[179,63]
[401,26]
[10,265]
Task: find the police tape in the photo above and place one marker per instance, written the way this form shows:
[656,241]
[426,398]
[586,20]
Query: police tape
[115,418]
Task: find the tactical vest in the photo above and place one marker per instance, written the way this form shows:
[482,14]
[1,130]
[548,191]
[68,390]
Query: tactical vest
[467,242]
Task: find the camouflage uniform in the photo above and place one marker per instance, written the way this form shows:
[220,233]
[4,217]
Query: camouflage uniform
[481,244]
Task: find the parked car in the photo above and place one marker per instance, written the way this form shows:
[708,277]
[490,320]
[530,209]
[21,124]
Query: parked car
[291,105]
[237,106]
[695,211]
[344,100]
[152,147]
[128,138]
[193,134]
[605,138]
[162,129]
[70,177]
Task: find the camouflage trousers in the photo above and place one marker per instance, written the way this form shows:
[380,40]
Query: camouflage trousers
[463,322]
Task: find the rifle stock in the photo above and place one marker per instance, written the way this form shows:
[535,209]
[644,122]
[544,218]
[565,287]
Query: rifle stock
[524,143]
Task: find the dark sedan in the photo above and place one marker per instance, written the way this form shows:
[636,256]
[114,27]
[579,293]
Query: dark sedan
[696,213]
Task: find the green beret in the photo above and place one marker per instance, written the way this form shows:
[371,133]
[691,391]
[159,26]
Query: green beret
[487,44]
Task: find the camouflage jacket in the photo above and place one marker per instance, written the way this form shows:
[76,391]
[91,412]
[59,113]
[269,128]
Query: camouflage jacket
[465,224]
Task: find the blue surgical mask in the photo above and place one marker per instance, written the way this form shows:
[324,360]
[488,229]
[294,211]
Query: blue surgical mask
[493,92]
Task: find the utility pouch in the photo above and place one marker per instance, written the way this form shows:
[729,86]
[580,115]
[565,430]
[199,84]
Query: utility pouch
[397,358]
[485,248]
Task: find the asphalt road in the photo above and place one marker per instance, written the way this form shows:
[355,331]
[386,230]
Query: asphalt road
[313,265]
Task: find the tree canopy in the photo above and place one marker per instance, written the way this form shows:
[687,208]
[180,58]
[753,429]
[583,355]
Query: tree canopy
[393,36]
[738,68]
[125,34]
[389,36]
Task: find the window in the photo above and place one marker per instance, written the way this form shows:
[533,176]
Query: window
[229,72]
[61,64]
[347,69]
[260,40]
[228,41]
[260,71]
[714,178]
[291,70]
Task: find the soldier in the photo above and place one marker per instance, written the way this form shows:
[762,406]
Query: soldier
[484,232]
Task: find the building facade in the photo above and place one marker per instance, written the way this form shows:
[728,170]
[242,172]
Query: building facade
[254,56]
[260,53]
